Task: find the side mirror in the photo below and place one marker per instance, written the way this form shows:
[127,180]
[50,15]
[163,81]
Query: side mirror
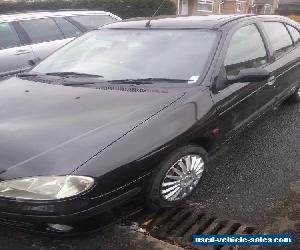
[250,75]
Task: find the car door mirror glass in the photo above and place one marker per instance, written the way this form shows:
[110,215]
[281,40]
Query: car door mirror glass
[250,75]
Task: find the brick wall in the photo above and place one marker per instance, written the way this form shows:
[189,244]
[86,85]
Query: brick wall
[228,7]
[231,7]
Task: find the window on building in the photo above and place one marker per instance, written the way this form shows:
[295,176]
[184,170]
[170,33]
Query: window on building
[281,39]
[268,9]
[239,7]
[263,9]
[241,54]
[8,36]
[205,5]
[42,30]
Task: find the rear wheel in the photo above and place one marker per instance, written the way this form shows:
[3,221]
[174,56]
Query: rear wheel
[177,177]
[294,98]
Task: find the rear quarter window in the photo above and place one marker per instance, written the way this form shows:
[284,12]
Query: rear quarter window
[93,21]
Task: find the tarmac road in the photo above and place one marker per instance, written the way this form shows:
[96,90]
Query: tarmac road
[248,181]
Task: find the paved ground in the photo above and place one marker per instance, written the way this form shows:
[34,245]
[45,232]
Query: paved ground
[251,178]
[116,238]
[254,180]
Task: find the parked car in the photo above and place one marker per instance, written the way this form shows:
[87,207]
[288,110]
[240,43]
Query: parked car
[135,109]
[26,37]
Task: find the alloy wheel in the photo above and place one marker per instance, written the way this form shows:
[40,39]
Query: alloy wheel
[182,178]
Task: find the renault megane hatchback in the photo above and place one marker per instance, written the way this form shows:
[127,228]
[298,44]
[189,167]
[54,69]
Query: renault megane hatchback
[134,109]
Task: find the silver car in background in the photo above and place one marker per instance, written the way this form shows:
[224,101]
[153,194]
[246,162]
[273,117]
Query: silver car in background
[30,37]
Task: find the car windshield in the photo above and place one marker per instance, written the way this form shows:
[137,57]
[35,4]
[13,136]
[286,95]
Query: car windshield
[116,55]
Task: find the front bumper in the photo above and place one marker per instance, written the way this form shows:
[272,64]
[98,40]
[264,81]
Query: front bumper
[93,216]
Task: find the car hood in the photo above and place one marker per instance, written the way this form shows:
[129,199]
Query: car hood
[52,129]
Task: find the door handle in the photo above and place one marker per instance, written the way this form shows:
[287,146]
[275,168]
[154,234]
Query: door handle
[271,81]
[22,52]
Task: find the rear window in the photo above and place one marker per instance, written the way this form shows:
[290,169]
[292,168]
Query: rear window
[93,21]
[42,30]
[8,36]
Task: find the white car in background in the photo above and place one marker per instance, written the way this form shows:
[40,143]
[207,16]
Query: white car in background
[32,36]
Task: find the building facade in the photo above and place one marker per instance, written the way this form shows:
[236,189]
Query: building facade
[264,7]
[290,8]
[202,7]
[267,7]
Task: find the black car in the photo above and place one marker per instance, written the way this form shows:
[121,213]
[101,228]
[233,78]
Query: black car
[134,109]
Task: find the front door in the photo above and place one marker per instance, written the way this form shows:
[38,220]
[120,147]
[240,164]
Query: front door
[236,102]
[13,54]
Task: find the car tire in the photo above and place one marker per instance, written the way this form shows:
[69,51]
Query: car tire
[294,98]
[177,177]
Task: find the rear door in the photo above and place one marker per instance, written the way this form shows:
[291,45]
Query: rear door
[285,67]
[45,36]
[14,56]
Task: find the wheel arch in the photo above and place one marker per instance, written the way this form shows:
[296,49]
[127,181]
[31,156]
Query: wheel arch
[205,142]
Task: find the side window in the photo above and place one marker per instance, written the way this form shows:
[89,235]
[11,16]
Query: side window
[42,30]
[8,36]
[279,37]
[294,33]
[246,50]
[67,28]
[93,21]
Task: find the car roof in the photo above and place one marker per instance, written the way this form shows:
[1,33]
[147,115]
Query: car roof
[44,14]
[186,22]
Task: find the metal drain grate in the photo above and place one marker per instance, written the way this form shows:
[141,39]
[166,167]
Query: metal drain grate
[178,226]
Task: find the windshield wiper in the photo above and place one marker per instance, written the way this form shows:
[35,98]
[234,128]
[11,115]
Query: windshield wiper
[148,81]
[61,74]
[66,80]
[28,75]
[73,74]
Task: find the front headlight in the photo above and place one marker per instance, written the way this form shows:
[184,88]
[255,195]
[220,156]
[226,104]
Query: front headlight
[45,187]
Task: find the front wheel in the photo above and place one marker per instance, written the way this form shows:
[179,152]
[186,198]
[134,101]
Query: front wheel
[177,177]
[294,98]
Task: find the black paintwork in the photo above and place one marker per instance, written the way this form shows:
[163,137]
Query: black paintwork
[119,134]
